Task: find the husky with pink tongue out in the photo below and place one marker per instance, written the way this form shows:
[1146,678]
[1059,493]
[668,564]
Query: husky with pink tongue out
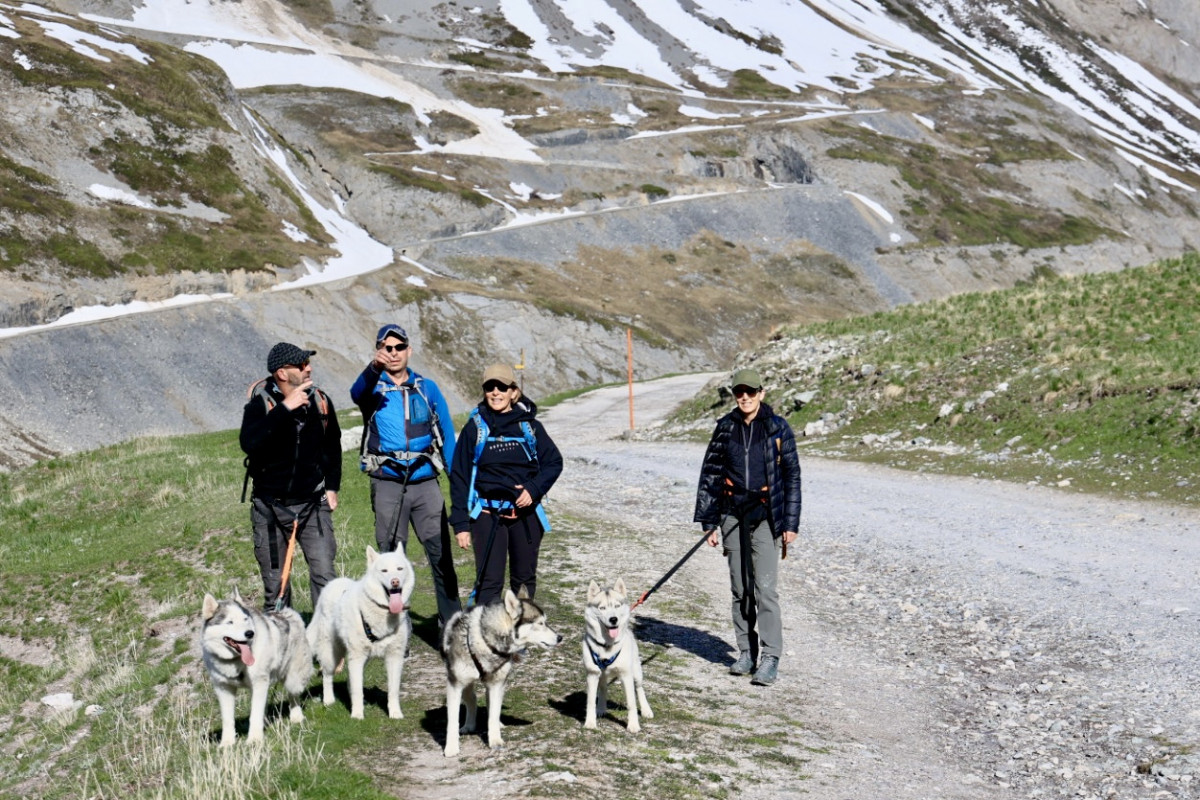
[365,618]
[243,647]
[610,652]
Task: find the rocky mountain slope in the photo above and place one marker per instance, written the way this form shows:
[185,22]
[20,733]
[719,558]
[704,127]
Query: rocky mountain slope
[526,180]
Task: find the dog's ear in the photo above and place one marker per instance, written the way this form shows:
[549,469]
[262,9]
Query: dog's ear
[237,596]
[209,608]
[523,593]
[619,587]
[371,555]
[512,604]
[593,590]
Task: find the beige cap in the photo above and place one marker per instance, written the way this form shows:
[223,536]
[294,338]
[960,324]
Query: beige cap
[500,372]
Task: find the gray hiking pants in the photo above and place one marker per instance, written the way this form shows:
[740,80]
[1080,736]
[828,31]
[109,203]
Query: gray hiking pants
[271,522]
[753,557]
[420,505]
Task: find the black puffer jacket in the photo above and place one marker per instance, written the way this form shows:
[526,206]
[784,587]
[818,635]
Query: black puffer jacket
[289,461]
[781,467]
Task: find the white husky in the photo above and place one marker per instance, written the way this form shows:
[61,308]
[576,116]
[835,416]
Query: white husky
[610,651]
[243,647]
[481,645]
[361,619]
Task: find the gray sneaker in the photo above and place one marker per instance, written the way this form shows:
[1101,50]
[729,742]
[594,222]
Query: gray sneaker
[743,666]
[767,672]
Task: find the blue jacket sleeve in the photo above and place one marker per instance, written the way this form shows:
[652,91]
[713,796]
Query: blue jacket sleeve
[362,393]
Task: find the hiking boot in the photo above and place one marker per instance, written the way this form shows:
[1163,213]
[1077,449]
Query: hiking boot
[743,666]
[767,672]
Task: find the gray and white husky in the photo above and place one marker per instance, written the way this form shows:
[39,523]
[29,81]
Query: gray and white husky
[243,647]
[610,651]
[481,645]
[361,619]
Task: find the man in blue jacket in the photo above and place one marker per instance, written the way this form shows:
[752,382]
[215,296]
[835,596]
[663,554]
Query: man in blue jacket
[408,442]
[749,498]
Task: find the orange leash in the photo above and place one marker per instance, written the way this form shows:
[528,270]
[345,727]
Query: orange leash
[287,564]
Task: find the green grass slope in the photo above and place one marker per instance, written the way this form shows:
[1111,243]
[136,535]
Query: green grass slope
[106,559]
[1084,382]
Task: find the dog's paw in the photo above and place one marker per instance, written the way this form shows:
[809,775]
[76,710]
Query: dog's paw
[633,727]
[296,715]
[590,724]
[451,751]
[497,743]
[397,714]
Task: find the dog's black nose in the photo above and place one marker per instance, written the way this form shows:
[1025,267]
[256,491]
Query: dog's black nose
[612,622]
[249,634]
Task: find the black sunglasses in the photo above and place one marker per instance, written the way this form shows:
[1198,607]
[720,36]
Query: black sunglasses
[301,365]
[738,391]
[492,386]
[395,348]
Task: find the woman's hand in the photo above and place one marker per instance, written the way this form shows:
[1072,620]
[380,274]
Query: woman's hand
[523,499]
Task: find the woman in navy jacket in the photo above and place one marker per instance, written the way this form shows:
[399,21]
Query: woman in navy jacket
[749,499]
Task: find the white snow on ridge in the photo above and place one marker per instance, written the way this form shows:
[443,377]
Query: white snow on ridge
[359,252]
[118,196]
[84,43]
[1087,93]
[830,40]
[96,313]
[878,209]
[253,21]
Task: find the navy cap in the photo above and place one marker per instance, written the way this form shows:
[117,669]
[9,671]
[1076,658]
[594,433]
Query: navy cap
[286,353]
[391,329]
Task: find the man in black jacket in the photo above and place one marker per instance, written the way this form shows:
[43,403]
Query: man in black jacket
[749,498]
[292,441]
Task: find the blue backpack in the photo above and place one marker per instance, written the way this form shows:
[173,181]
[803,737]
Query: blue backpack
[528,441]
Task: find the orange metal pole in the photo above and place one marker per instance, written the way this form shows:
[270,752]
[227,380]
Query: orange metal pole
[629,361]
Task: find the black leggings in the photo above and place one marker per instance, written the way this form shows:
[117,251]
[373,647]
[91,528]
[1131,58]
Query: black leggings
[517,542]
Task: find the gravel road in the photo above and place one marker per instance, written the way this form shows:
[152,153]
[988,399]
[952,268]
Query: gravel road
[945,638]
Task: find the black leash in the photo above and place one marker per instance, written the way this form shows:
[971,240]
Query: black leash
[670,572]
[487,553]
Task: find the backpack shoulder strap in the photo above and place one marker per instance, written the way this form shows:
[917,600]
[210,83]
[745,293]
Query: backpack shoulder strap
[259,389]
[435,422]
[474,505]
[481,434]
[530,440]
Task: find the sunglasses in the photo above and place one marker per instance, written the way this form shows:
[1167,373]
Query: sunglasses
[496,386]
[301,365]
[394,348]
[740,391]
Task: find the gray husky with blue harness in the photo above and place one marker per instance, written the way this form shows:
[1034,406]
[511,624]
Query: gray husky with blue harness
[610,652]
